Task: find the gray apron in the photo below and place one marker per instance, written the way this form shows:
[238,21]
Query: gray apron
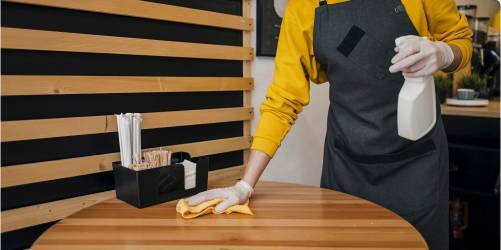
[363,154]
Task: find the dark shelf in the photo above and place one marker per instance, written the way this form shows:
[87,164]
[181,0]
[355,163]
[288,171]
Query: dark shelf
[467,191]
[471,146]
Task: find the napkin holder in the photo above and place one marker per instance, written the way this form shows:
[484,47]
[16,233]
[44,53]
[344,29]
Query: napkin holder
[152,186]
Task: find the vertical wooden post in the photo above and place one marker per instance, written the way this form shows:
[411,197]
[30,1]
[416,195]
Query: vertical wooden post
[246,12]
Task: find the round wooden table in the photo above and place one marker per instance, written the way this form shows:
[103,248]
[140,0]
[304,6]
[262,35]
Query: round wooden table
[287,216]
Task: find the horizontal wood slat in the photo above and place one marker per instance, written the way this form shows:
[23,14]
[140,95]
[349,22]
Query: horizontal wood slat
[14,38]
[226,175]
[150,10]
[51,211]
[57,127]
[49,170]
[52,85]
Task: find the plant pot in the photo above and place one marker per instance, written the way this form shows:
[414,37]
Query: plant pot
[450,91]
[485,93]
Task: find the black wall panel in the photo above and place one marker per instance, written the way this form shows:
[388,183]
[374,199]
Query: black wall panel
[33,62]
[224,160]
[23,238]
[46,191]
[85,145]
[58,106]
[47,18]
[233,7]
[27,62]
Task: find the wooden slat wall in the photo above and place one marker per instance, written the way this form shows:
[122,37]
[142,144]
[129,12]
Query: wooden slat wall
[52,170]
[37,214]
[58,71]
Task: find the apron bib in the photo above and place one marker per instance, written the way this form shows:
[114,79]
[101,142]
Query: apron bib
[363,154]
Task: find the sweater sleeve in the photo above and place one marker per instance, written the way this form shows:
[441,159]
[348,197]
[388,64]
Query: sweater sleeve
[289,90]
[446,24]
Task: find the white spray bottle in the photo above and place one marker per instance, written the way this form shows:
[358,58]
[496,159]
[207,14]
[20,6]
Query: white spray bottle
[416,114]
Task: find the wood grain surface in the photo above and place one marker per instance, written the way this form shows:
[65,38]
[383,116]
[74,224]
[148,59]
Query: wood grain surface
[85,125]
[15,85]
[29,39]
[491,111]
[287,216]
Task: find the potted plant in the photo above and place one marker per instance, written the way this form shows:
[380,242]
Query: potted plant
[442,85]
[476,82]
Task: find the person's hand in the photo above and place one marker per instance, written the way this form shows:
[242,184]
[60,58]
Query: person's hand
[418,56]
[235,195]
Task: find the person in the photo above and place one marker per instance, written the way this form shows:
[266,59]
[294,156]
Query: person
[351,44]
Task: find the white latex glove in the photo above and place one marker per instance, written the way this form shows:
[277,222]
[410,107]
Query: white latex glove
[235,195]
[418,56]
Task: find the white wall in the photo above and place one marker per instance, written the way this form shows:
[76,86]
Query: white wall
[299,160]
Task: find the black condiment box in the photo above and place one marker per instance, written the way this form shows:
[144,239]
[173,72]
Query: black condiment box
[152,186]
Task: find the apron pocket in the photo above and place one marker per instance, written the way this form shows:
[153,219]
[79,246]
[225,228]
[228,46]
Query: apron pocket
[412,151]
[405,182]
[366,52]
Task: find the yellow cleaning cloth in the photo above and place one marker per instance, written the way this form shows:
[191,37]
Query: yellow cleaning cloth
[208,207]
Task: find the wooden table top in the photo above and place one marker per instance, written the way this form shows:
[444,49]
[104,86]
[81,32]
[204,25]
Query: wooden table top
[490,111]
[287,216]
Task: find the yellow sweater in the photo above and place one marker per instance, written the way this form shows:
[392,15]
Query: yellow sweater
[295,63]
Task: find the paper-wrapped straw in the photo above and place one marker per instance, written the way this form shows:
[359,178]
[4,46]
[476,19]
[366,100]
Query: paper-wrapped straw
[129,136]
[124,127]
[120,140]
[136,138]
[126,131]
